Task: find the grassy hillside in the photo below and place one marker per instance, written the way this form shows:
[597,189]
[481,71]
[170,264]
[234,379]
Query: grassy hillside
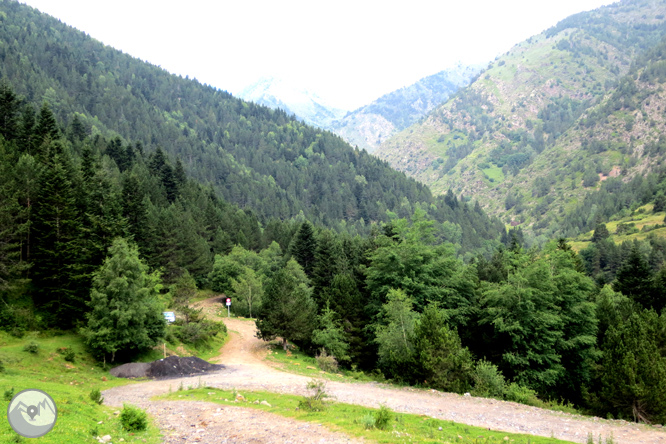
[548,121]
[69,383]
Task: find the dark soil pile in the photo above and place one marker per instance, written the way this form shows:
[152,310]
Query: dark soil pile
[171,367]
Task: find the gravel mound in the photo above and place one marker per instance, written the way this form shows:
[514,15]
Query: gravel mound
[131,370]
[171,367]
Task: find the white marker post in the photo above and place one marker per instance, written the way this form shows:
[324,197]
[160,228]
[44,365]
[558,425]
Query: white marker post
[228,305]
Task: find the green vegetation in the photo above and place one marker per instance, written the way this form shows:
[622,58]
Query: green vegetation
[80,417]
[570,115]
[380,425]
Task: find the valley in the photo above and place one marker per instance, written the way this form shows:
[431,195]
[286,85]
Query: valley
[499,263]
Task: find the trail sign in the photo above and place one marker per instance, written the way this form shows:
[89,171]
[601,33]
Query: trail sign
[228,307]
[169,316]
[228,302]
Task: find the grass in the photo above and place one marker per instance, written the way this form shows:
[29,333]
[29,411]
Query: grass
[355,420]
[69,384]
[494,173]
[299,363]
[640,218]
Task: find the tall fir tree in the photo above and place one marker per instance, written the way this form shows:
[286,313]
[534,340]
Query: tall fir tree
[57,228]
[303,248]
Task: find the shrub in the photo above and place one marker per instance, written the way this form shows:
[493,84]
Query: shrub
[96,396]
[523,395]
[9,394]
[197,332]
[133,419]
[70,356]
[316,401]
[68,353]
[2,366]
[488,380]
[368,421]
[32,347]
[326,362]
[383,417]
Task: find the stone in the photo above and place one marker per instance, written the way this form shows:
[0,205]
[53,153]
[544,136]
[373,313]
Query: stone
[265,403]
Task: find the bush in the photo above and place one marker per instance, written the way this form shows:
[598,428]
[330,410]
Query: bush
[70,356]
[133,419]
[197,332]
[488,380]
[383,417]
[2,366]
[9,394]
[68,353]
[316,401]
[523,395]
[96,396]
[32,347]
[368,421]
[326,362]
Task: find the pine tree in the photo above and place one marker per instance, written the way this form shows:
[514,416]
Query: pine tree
[633,369]
[77,131]
[303,247]
[9,109]
[288,310]
[444,363]
[47,128]
[634,279]
[57,246]
[600,233]
[125,316]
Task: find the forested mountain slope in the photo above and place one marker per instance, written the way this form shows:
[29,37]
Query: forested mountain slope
[258,158]
[550,120]
[370,125]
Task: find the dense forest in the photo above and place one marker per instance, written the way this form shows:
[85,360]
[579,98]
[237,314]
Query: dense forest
[104,221]
[258,158]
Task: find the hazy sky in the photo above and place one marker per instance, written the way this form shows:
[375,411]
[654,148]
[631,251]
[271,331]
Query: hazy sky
[349,52]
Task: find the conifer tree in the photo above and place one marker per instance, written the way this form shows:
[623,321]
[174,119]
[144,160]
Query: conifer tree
[633,369]
[444,363]
[26,133]
[634,279]
[125,316]
[303,247]
[57,229]
[47,128]
[9,108]
[287,308]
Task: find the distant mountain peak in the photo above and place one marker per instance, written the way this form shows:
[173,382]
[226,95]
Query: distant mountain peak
[293,98]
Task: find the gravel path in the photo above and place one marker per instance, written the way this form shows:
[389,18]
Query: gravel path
[246,370]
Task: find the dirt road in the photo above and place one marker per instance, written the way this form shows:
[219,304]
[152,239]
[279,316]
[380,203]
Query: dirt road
[246,370]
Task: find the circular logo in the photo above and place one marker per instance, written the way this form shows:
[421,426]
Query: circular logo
[32,413]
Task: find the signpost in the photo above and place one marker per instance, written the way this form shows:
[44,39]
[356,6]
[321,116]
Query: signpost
[169,317]
[228,305]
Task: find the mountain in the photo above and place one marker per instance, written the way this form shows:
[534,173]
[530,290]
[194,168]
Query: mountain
[370,125]
[550,121]
[293,99]
[260,159]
